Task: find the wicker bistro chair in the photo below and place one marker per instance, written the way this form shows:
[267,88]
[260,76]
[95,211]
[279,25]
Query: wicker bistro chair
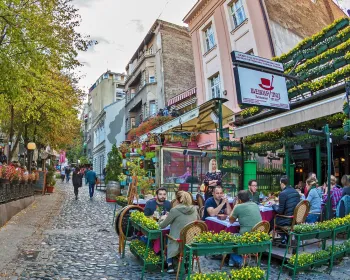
[263,226]
[299,216]
[201,212]
[200,200]
[186,237]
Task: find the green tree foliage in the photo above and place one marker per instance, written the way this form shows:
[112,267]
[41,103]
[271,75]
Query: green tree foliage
[38,52]
[114,164]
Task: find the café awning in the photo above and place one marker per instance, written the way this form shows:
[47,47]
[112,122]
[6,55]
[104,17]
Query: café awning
[312,111]
[202,118]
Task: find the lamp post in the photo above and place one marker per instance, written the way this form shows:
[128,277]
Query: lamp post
[30,147]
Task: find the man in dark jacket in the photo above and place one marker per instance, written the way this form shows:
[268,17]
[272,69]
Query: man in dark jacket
[288,200]
[77,181]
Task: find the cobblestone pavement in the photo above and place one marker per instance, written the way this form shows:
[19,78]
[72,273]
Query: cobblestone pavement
[80,243]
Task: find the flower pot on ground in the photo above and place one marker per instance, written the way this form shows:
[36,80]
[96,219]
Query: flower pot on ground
[50,189]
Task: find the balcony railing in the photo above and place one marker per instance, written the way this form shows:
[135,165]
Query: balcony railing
[15,191]
[129,97]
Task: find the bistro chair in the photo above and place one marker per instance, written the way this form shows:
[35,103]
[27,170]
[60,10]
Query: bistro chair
[200,200]
[299,216]
[201,212]
[263,226]
[121,224]
[187,235]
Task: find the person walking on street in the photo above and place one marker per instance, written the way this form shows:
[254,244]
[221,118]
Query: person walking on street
[91,178]
[67,170]
[63,174]
[77,179]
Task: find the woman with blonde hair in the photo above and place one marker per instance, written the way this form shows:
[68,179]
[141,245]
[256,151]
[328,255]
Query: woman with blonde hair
[179,216]
[212,179]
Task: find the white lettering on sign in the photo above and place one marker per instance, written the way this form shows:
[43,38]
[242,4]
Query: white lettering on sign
[257,60]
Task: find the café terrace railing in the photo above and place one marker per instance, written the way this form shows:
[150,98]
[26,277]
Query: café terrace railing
[15,191]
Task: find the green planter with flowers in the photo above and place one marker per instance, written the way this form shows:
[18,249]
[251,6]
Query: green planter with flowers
[323,234]
[342,23]
[251,248]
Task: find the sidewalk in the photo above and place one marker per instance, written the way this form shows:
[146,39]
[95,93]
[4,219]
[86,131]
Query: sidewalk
[24,231]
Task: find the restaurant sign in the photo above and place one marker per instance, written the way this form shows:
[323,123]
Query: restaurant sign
[261,89]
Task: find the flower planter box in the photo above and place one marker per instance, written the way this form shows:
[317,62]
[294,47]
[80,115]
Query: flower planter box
[324,234]
[298,57]
[340,64]
[327,71]
[229,143]
[231,157]
[331,32]
[319,263]
[341,229]
[307,235]
[310,54]
[334,43]
[322,48]
[345,38]
[339,255]
[340,25]
[231,170]
[250,249]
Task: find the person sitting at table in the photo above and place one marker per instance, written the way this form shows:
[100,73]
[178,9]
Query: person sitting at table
[158,203]
[187,174]
[178,217]
[212,179]
[315,199]
[288,200]
[248,214]
[253,194]
[218,204]
[336,192]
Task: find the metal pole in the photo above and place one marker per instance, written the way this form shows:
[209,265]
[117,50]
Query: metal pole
[287,162]
[221,133]
[192,163]
[329,160]
[318,161]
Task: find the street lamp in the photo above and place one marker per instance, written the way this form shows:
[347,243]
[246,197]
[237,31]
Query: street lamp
[30,147]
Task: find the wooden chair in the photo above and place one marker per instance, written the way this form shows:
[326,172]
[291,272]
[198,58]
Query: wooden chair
[201,212]
[263,226]
[187,235]
[122,223]
[200,200]
[299,216]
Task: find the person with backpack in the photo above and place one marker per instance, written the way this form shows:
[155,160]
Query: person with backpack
[77,181]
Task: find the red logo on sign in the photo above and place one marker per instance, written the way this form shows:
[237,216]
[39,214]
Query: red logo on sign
[266,84]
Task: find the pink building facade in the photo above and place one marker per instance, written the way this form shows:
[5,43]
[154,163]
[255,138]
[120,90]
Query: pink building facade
[218,27]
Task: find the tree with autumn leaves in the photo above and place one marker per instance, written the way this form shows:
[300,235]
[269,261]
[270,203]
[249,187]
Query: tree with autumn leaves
[39,96]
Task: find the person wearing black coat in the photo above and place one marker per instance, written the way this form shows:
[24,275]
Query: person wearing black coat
[288,200]
[77,181]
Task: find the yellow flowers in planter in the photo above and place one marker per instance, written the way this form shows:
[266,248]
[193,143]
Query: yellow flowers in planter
[140,249]
[247,273]
[140,219]
[226,237]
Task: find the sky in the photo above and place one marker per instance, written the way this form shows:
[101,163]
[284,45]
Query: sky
[120,26]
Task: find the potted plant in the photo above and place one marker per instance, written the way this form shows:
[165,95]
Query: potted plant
[114,169]
[50,179]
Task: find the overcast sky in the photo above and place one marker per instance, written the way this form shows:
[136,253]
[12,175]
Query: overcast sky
[119,27]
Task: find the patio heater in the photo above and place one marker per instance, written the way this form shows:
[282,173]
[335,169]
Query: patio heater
[325,133]
[193,154]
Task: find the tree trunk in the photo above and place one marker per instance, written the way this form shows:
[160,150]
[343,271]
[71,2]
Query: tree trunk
[12,116]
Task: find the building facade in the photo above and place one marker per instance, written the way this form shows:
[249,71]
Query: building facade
[161,68]
[265,28]
[108,129]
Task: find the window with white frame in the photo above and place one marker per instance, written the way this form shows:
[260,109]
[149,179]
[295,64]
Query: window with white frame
[152,108]
[215,86]
[237,12]
[209,38]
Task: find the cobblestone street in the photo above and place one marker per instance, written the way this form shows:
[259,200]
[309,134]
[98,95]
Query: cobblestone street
[79,242]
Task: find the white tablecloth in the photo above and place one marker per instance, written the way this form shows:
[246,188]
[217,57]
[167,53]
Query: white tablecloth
[140,201]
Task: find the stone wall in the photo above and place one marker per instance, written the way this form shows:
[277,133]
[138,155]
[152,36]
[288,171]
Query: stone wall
[178,63]
[303,17]
[10,209]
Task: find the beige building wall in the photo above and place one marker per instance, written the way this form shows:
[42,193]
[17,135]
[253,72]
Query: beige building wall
[269,28]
